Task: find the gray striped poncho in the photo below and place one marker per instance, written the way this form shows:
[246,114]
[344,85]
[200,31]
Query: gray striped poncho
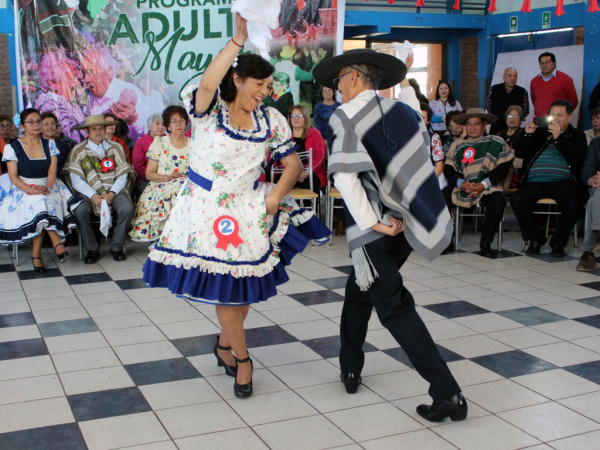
[400,182]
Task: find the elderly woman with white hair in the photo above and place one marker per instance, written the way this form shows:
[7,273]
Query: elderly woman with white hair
[156,127]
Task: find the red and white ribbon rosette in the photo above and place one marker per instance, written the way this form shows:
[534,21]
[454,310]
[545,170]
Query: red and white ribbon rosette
[107,165]
[226,228]
[469,156]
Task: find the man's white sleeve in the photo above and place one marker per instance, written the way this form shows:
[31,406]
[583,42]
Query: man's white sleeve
[407,95]
[119,184]
[356,199]
[81,186]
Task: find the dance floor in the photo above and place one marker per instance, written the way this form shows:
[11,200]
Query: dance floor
[92,359]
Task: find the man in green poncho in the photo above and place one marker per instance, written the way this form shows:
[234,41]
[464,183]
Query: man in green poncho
[478,166]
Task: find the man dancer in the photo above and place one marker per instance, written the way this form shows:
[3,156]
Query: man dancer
[388,185]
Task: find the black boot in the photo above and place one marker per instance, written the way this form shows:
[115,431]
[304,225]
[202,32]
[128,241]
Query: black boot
[454,407]
[535,245]
[486,248]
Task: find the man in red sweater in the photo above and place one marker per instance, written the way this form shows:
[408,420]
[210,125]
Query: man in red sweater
[550,85]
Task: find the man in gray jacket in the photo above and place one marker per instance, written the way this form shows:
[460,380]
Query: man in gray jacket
[590,176]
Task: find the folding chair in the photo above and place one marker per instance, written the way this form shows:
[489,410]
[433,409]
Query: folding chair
[552,211]
[332,195]
[297,193]
[476,214]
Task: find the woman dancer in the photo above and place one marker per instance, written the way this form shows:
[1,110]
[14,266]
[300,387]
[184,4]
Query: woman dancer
[229,236]
[32,199]
[168,163]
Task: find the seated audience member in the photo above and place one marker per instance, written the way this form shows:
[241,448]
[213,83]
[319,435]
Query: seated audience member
[168,164]
[122,132]
[478,166]
[66,139]
[49,122]
[437,151]
[324,110]
[455,131]
[306,137]
[552,156]
[502,96]
[590,175]
[6,127]
[100,172]
[33,200]
[594,132]
[513,118]
[443,103]
[156,127]
[111,135]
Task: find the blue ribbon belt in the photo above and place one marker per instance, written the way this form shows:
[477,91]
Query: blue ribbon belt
[204,183]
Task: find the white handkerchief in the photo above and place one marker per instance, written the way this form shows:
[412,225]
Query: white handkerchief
[262,16]
[105,218]
[403,51]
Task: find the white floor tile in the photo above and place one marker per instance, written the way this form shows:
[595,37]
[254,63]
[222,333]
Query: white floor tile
[277,355]
[396,385]
[85,360]
[175,394]
[263,382]
[150,351]
[583,441]
[473,346]
[333,397]
[95,380]
[57,315]
[292,315]
[586,405]
[557,384]
[312,329]
[224,440]
[563,354]
[22,368]
[420,439]
[306,373]
[523,337]
[19,333]
[35,414]
[27,389]
[567,329]
[272,407]
[76,342]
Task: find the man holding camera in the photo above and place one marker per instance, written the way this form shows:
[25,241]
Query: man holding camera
[553,155]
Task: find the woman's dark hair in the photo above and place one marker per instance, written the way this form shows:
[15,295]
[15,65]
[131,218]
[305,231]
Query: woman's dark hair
[425,107]
[174,109]
[451,115]
[27,112]
[122,129]
[248,66]
[49,115]
[415,85]
[451,98]
[117,126]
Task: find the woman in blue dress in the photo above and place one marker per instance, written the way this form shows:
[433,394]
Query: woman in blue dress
[229,237]
[323,112]
[32,199]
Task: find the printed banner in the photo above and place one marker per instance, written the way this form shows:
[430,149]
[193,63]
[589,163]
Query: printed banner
[132,58]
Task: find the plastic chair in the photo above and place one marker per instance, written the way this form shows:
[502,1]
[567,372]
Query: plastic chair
[551,203]
[297,193]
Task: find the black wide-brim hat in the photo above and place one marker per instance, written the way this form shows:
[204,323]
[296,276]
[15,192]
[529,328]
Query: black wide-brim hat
[394,70]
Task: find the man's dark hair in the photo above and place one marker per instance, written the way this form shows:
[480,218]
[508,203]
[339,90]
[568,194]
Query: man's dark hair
[566,103]
[371,74]
[5,117]
[425,107]
[595,112]
[551,55]
[46,115]
[248,66]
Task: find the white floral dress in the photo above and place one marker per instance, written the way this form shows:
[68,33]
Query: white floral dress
[24,216]
[155,203]
[223,181]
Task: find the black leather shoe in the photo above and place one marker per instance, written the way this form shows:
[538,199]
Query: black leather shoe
[558,252]
[535,245]
[351,382]
[486,249]
[91,257]
[118,256]
[243,390]
[454,407]
[229,370]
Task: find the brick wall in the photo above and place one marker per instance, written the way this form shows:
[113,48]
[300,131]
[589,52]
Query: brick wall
[6,103]
[469,82]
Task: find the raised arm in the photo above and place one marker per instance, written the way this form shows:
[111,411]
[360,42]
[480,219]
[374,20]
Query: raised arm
[218,68]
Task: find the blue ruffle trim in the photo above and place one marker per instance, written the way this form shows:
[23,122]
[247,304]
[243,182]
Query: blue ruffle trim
[24,232]
[192,112]
[197,285]
[277,155]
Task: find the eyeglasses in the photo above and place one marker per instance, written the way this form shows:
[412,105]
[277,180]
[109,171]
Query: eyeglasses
[7,126]
[49,124]
[337,80]
[175,122]
[513,117]
[34,122]
[297,116]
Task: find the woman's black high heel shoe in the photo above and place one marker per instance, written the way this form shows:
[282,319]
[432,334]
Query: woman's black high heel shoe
[229,370]
[243,390]
[38,269]
[61,256]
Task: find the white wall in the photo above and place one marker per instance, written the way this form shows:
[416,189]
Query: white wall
[507,6]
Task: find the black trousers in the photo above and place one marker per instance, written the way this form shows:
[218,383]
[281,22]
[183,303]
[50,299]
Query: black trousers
[395,307]
[565,194]
[494,204]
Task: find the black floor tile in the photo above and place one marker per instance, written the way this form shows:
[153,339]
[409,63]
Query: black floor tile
[137,283]
[161,371]
[317,298]
[33,275]
[16,320]
[593,321]
[22,349]
[346,269]
[103,404]
[531,316]
[551,259]
[197,345]
[594,301]
[66,327]
[329,347]
[88,278]
[595,285]
[500,255]
[589,370]
[333,283]
[57,437]
[513,363]
[273,335]
[452,310]
[399,354]
[4,268]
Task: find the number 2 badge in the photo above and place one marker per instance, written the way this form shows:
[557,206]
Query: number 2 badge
[226,228]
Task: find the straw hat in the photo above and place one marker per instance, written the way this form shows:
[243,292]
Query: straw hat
[474,112]
[91,121]
[287,52]
[394,70]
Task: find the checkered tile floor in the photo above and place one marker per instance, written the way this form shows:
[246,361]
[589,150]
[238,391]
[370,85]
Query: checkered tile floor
[91,358]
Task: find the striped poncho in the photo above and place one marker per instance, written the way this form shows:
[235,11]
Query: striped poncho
[397,176]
